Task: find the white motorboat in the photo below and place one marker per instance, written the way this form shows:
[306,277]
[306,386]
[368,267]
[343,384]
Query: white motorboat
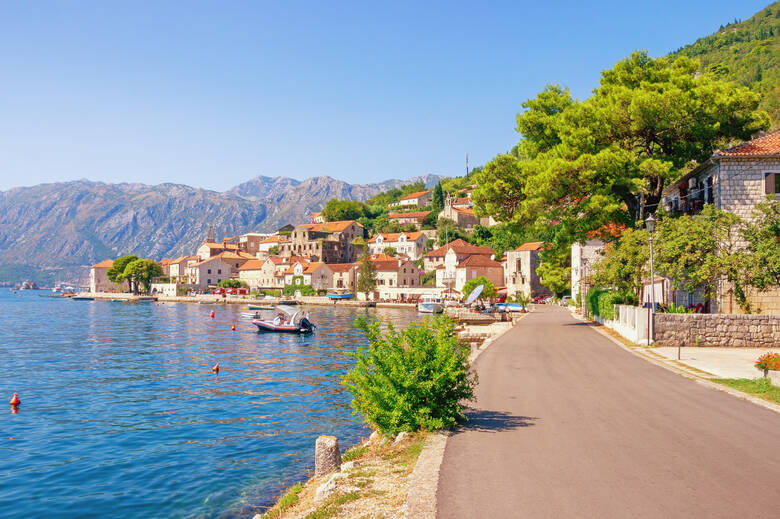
[430,305]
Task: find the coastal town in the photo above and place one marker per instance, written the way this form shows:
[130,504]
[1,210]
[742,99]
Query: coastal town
[367,261]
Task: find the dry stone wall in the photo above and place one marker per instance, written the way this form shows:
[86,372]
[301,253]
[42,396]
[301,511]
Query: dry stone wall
[717,330]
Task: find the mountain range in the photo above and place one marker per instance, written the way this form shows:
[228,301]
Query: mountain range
[51,231]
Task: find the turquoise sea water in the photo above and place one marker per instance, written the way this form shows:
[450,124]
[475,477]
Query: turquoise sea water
[121,415]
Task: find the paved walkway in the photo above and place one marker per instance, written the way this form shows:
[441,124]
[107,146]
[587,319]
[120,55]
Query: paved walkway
[568,424]
[721,362]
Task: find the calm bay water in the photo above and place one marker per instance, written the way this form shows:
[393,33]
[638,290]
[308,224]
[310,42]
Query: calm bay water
[122,417]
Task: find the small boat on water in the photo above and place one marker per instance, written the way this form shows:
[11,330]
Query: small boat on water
[287,320]
[430,305]
[260,307]
[82,298]
[510,307]
[206,302]
[340,295]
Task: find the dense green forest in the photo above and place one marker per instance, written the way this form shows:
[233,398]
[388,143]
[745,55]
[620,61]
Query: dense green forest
[746,52]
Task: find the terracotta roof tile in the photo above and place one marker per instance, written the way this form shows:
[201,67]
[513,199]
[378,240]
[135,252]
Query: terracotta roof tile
[531,245]
[416,194]
[395,236]
[479,261]
[105,264]
[252,265]
[460,246]
[766,146]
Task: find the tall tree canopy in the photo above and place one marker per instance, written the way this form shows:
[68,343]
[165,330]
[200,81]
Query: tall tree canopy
[116,273]
[592,162]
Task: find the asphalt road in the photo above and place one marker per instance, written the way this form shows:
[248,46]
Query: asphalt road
[568,424]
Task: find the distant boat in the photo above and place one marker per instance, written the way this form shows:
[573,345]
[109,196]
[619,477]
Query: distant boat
[260,307]
[430,305]
[289,320]
[206,302]
[340,295]
[510,307]
[82,298]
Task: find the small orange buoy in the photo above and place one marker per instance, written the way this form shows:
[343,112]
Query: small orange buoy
[233,328]
[15,399]
[212,314]
[215,369]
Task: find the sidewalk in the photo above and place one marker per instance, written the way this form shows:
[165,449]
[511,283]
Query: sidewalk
[718,362]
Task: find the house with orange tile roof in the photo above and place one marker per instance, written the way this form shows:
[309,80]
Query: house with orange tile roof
[470,268]
[394,273]
[98,280]
[416,218]
[264,246]
[250,242]
[344,276]
[209,249]
[411,244]
[330,242]
[463,217]
[209,272]
[458,249]
[734,179]
[316,274]
[520,270]
[416,199]
[316,217]
[177,269]
[267,273]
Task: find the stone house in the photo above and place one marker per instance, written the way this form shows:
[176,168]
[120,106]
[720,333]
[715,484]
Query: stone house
[209,272]
[461,248]
[209,249]
[416,218]
[734,180]
[316,274]
[98,280]
[265,246]
[584,257]
[394,272]
[316,217]
[250,242]
[344,276]
[411,244]
[463,215]
[177,269]
[520,270]
[453,274]
[267,273]
[330,242]
[417,199]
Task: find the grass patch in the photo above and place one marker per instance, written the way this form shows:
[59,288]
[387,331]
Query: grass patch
[760,387]
[289,499]
[354,453]
[331,506]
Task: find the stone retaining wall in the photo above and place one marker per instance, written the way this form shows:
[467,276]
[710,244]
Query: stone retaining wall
[717,330]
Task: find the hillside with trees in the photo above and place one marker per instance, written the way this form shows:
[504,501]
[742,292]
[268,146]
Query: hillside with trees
[747,53]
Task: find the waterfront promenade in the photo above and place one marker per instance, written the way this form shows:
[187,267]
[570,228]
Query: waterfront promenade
[568,424]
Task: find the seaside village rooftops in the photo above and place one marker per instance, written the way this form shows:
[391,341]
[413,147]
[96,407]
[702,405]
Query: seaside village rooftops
[459,246]
[764,146]
[478,260]
[395,236]
[330,226]
[415,195]
[532,245]
[413,214]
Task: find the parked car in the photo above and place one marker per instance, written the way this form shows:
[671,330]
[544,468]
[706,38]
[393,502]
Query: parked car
[548,300]
[565,300]
[540,299]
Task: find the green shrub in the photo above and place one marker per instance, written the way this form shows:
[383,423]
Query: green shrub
[410,379]
[601,301]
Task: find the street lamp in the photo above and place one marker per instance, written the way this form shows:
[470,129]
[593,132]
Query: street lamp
[650,226]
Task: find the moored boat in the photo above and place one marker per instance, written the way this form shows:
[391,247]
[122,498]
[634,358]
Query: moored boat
[339,295]
[287,320]
[430,305]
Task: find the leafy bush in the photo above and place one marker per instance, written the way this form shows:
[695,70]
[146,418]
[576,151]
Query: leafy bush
[675,309]
[768,361]
[297,284]
[601,301]
[231,283]
[410,379]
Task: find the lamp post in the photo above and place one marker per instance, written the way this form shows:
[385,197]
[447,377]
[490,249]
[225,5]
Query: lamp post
[650,226]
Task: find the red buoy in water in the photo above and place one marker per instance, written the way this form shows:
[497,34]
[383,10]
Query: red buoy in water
[215,369]
[233,328]
[212,314]
[15,399]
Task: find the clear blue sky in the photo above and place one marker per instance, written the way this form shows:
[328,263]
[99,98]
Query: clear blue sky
[211,94]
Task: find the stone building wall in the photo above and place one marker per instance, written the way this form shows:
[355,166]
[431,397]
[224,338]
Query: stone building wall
[717,330]
[743,183]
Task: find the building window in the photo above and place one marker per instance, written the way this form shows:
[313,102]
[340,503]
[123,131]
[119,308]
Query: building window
[219,271]
[208,281]
[209,271]
[772,184]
